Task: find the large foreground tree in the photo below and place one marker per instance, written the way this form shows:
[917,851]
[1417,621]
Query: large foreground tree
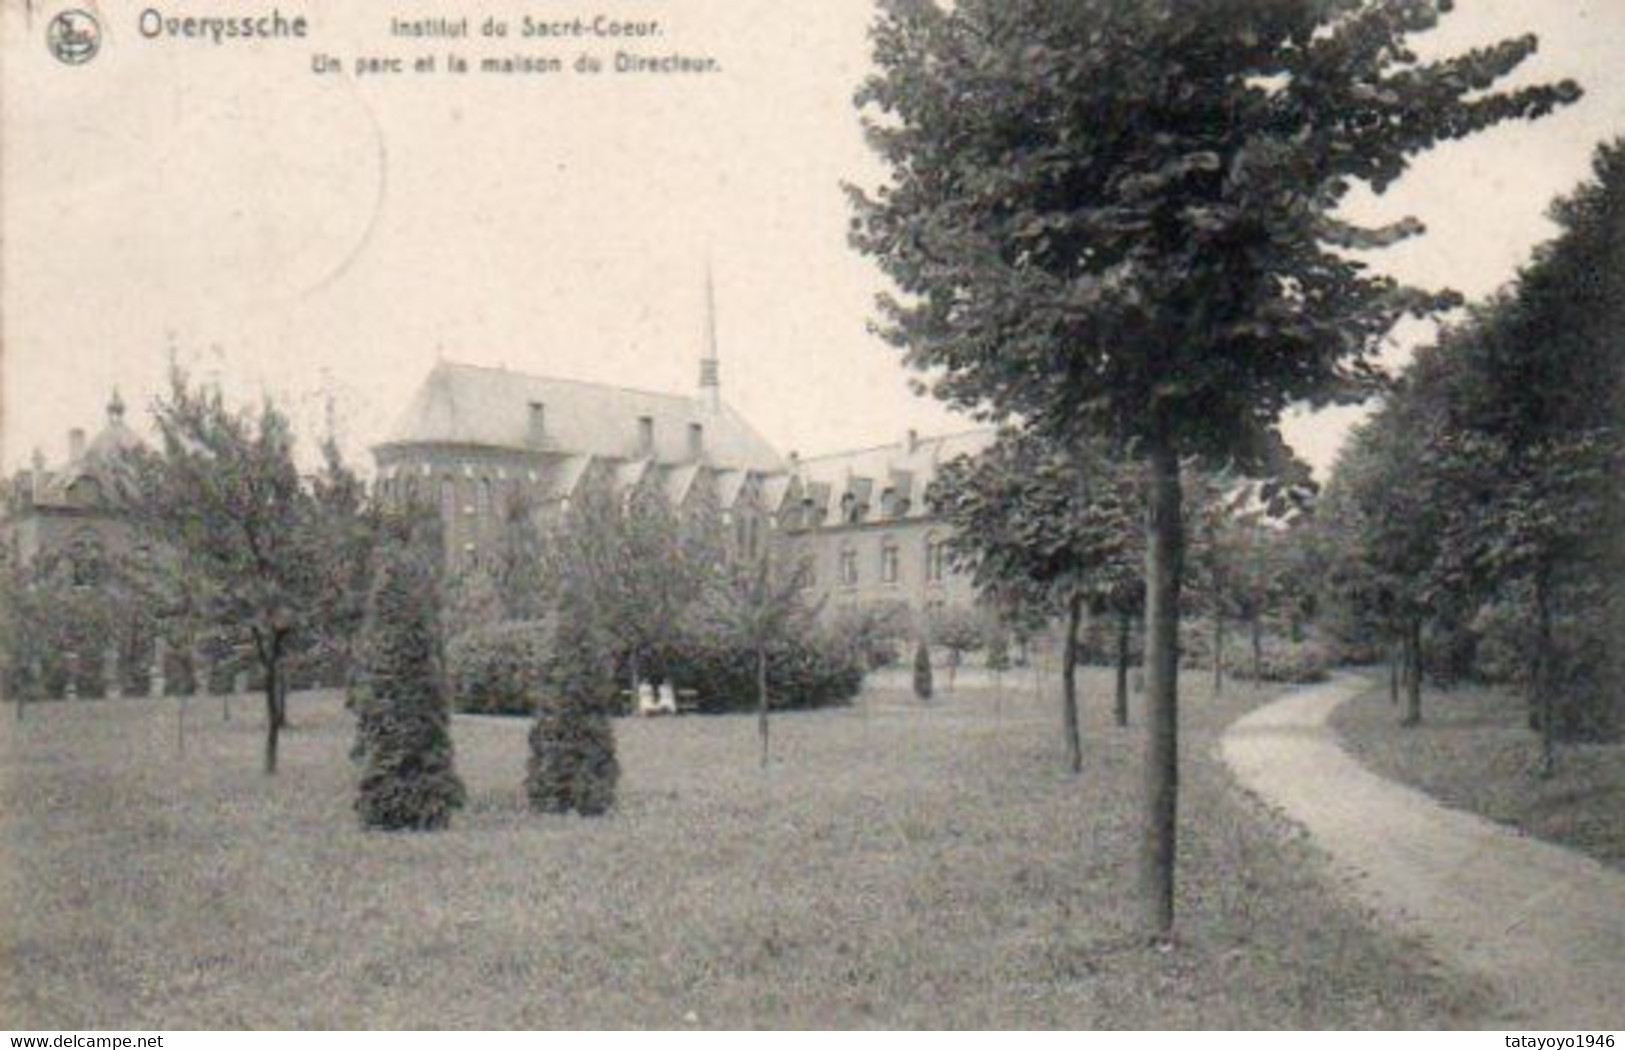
[1119,218]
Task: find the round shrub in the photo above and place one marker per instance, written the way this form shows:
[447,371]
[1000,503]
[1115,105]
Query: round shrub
[998,651]
[403,738]
[499,669]
[874,631]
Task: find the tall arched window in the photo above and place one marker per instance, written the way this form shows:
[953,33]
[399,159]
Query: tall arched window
[849,566]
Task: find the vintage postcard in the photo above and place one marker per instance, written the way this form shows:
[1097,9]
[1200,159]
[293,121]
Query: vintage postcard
[669,514]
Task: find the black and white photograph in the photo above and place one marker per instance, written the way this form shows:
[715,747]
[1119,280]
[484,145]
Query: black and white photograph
[903,515]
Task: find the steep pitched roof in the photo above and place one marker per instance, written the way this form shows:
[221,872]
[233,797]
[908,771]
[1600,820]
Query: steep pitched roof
[679,482]
[102,465]
[470,405]
[776,491]
[908,467]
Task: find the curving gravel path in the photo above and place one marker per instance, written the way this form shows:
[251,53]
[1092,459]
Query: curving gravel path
[1544,924]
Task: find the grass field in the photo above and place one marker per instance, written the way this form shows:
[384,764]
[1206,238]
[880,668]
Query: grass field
[1474,751]
[899,865]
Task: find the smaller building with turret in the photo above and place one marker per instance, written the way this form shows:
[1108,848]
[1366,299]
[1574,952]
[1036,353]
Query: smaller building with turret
[72,510]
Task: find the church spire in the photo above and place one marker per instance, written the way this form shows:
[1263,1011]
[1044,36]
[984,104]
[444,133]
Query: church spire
[710,375]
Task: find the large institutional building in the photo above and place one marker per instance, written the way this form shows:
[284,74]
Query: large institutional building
[478,442]
[481,443]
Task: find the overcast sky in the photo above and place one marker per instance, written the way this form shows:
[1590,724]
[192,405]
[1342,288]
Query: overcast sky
[294,233]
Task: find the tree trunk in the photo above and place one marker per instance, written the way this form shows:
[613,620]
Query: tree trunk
[1258,649]
[1163,556]
[1120,707]
[281,699]
[761,700]
[1396,660]
[273,720]
[1218,648]
[1413,674]
[1541,677]
[1069,685]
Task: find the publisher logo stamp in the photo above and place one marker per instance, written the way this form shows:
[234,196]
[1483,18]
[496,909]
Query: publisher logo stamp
[74,37]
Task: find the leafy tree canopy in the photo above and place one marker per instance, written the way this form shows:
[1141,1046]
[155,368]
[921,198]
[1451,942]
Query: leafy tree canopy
[1121,216]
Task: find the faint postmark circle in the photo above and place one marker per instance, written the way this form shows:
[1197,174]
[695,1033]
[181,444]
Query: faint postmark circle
[74,37]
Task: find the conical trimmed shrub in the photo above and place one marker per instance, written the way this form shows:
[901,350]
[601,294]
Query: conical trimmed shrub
[572,762]
[403,738]
[922,671]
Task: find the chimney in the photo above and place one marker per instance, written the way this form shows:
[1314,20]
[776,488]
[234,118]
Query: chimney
[115,410]
[76,444]
[710,371]
[911,442]
[536,430]
[795,461]
[696,440]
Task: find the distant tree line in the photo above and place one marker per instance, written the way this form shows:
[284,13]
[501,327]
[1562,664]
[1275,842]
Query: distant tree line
[1474,524]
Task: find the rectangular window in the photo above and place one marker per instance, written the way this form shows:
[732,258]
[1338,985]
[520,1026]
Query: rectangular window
[849,568]
[448,499]
[888,563]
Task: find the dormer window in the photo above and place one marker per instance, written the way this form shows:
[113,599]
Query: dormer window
[646,435]
[536,426]
[696,440]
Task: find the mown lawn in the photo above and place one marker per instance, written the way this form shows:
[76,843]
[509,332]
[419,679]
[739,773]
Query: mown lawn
[1474,751]
[899,866]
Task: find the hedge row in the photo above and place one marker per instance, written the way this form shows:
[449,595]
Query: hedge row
[810,672]
[500,669]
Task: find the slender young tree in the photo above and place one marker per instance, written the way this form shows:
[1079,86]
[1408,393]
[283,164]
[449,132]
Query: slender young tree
[223,491]
[1052,528]
[1119,218]
[762,603]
